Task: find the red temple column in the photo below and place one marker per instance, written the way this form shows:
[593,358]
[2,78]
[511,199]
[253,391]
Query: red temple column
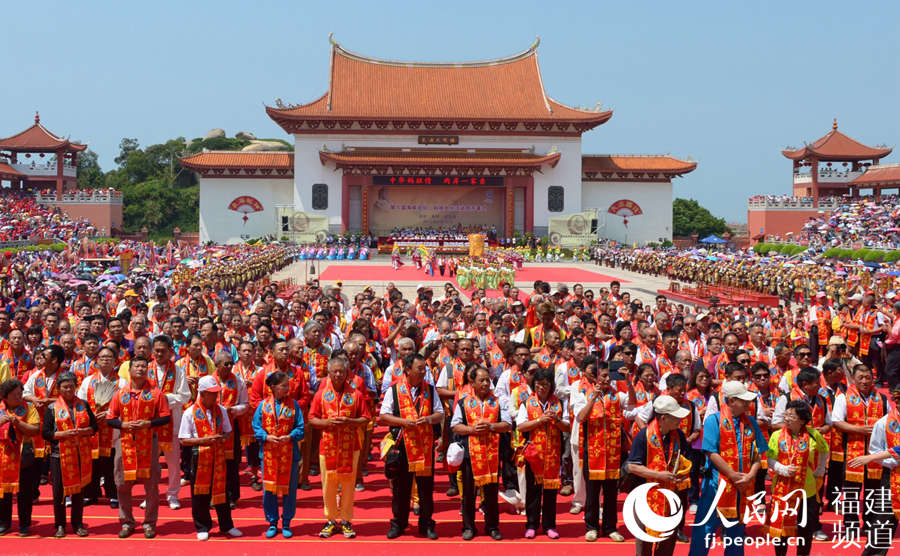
[59,174]
[814,176]
[364,220]
[510,210]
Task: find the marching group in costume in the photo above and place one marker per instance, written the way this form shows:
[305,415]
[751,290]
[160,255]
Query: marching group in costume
[517,402]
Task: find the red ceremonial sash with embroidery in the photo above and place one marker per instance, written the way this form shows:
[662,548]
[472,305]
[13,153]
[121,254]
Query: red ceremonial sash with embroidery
[573,373]
[791,451]
[209,477]
[603,437]
[41,392]
[165,432]
[728,450]
[417,440]
[547,441]
[866,320]
[228,397]
[277,458]
[10,451]
[834,437]
[193,368]
[315,360]
[861,414]
[643,397]
[18,366]
[137,446]
[101,442]
[817,408]
[484,448]
[84,367]
[74,452]
[892,434]
[338,443]
[517,397]
[659,460]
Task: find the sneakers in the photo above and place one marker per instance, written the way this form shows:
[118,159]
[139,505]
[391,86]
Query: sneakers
[114,504]
[821,535]
[529,533]
[174,504]
[692,508]
[360,487]
[615,536]
[202,536]
[272,531]
[126,531]
[144,505]
[81,531]
[235,532]
[495,534]
[566,490]
[576,508]
[286,532]
[347,529]
[452,492]
[394,532]
[468,535]
[149,532]
[185,482]
[305,486]
[591,536]
[553,534]
[329,529]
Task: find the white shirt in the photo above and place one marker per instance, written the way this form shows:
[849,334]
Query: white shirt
[243,400]
[188,428]
[579,402]
[83,389]
[839,411]
[522,414]
[781,405]
[181,392]
[878,442]
[29,384]
[388,378]
[458,415]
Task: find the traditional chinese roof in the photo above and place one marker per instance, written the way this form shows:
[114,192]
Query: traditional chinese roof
[237,164]
[836,146]
[621,167]
[7,172]
[503,95]
[442,160]
[881,175]
[37,138]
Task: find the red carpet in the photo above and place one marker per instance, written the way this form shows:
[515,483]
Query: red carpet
[176,534]
[408,273]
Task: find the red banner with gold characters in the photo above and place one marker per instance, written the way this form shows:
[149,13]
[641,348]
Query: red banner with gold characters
[434,207]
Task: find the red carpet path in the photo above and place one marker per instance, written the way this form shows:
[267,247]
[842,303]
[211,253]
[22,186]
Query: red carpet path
[176,534]
[408,273]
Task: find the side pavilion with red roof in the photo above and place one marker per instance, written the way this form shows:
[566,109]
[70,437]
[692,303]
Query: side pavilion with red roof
[25,163]
[434,145]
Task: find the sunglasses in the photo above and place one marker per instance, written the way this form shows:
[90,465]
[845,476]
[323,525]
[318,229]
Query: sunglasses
[631,353]
[805,354]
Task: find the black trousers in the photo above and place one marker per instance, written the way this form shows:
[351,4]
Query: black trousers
[892,366]
[507,463]
[253,455]
[834,481]
[869,516]
[698,461]
[102,467]
[28,475]
[186,455]
[665,547]
[401,498]
[59,500]
[200,513]
[489,501]
[540,503]
[609,488]
[805,532]
[232,478]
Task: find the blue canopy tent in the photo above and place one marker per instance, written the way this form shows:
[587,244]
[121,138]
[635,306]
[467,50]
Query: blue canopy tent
[713,240]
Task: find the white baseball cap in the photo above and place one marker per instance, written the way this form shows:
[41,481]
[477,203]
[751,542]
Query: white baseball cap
[666,405]
[735,389]
[208,384]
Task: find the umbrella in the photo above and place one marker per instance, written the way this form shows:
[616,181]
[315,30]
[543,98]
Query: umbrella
[85,276]
[713,239]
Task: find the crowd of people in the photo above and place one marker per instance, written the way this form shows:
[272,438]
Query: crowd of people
[23,219]
[869,222]
[519,399]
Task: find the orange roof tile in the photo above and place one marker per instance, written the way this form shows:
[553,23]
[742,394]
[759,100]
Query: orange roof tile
[884,174]
[38,139]
[439,157]
[506,89]
[238,159]
[837,146]
[635,163]
[8,172]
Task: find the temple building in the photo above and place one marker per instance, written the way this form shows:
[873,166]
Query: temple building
[830,167]
[435,145]
[46,165]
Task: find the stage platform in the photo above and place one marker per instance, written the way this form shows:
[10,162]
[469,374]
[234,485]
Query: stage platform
[726,296]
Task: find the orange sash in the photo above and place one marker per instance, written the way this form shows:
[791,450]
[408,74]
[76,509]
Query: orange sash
[10,452]
[418,441]
[338,444]
[740,461]
[892,433]
[547,441]
[229,398]
[164,434]
[603,437]
[277,458]
[861,414]
[791,451]
[209,477]
[137,447]
[315,361]
[834,437]
[41,392]
[484,448]
[866,320]
[658,460]
[101,442]
[75,452]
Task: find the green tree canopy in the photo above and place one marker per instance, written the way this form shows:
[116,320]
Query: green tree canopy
[688,218]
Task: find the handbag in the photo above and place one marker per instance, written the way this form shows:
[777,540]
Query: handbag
[390,454]
[533,458]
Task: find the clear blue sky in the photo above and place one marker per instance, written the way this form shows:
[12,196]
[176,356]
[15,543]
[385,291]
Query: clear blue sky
[727,85]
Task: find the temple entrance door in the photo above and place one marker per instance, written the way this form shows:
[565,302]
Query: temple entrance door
[519,209]
[354,221]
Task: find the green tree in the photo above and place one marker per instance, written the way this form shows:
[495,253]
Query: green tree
[90,176]
[688,218]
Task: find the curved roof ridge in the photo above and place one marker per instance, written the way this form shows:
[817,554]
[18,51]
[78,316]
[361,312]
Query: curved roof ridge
[338,49]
